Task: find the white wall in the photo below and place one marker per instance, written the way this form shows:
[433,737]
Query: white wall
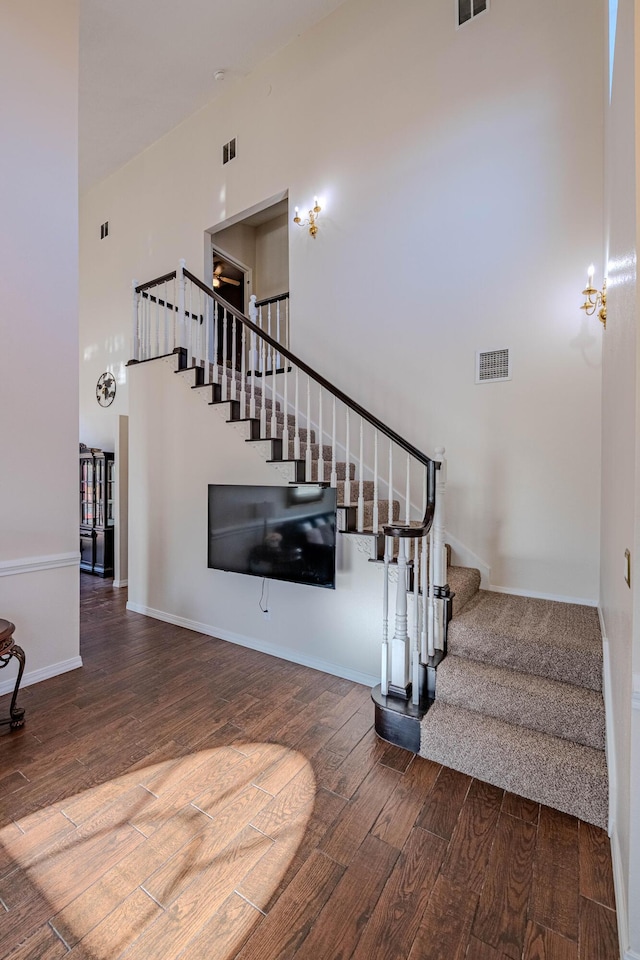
[621,473]
[272,258]
[39,330]
[170,467]
[460,174]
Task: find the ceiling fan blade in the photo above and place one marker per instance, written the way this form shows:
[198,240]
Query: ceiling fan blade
[236,283]
[218,270]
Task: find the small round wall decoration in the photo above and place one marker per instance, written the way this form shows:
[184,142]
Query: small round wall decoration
[106,389]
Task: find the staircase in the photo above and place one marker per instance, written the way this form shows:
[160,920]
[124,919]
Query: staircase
[506,689]
[519,702]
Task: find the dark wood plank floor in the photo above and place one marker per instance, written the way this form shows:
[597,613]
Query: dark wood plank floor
[184,797]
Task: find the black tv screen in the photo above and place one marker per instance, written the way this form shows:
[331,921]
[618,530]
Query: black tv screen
[284,533]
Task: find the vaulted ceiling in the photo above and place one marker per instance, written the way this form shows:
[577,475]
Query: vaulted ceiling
[146,65]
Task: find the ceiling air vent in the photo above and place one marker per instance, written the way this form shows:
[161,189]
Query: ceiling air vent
[492,365]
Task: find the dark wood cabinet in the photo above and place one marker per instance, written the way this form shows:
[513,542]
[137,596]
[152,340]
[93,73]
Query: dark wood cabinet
[96,512]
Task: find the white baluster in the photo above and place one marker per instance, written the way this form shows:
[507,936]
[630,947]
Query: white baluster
[167,332]
[390,503]
[439,553]
[296,439]
[263,402]
[190,325]
[431,626]
[360,514]
[415,654]
[307,468]
[334,474]
[147,327]
[269,320]
[347,481]
[286,323]
[207,335]
[254,364]
[278,332]
[157,323]
[376,519]
[320,438]
[234,355]
[135,318]
[285,404]
[400,642]
[424,649]
[384,686]
[243,373]
[253,310]
[174,314]
[407,496]
[182,333]
[225,382]
[216,334]
[274,395]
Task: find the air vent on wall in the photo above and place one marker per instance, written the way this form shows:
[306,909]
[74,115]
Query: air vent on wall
[492,365]
[466,10]
[229,151]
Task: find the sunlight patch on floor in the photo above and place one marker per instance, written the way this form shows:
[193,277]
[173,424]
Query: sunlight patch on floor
[167,858]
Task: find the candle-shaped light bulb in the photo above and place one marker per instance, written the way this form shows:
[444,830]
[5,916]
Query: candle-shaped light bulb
[296,211]
[315,201]
[590,273]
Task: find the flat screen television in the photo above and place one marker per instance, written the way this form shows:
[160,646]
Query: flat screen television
[284,533]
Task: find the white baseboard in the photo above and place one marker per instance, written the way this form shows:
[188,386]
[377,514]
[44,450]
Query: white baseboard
[35,676]
[534,594]
[120,583]
[10,568]
[263,646]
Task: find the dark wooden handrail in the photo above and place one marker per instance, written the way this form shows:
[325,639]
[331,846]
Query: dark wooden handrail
[322,381]
[154,283]
[281,296]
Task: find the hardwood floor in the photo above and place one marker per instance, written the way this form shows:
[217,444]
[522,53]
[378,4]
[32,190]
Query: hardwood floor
[183,797]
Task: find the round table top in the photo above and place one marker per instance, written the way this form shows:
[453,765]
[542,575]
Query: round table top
[6,634]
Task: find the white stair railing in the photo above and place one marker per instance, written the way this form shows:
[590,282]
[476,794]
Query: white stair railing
[247,360]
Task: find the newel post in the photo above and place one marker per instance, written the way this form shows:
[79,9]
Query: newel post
[400,644]
[182,328]
[439,556]
[253,310]
[135,338]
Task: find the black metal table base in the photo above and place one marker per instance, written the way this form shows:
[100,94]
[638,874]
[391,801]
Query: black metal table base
[8,650]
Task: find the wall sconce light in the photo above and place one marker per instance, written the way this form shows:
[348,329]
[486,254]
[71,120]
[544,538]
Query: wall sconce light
[311,221]
[595,298]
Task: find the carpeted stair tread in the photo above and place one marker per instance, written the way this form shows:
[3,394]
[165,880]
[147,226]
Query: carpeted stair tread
[341,472]
[542,768]
[560,641]
[465,583]
[559,709]
[367,492]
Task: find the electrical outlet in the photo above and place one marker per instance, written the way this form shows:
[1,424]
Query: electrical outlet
[266,614]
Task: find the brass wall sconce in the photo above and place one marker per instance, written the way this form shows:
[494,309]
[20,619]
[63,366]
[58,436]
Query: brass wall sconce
[595,298]
[311,221]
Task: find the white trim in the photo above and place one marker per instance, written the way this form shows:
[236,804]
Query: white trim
[621,903]
[272,649]
[610,728]
[535,595]
[9,568]
[44,673]
[635,696]
[619,884]
[120,583]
